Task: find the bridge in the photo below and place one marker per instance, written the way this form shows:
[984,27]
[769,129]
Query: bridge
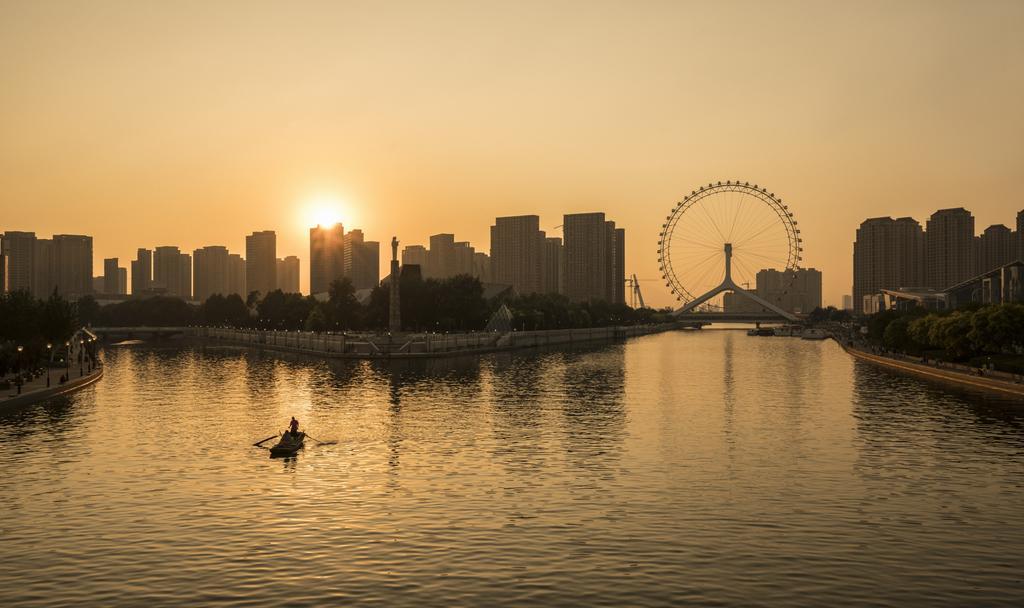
[707,318]
[137,332]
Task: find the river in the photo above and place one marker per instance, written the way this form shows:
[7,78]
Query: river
[702,467]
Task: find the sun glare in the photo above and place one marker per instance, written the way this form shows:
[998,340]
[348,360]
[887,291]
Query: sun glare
[324,211]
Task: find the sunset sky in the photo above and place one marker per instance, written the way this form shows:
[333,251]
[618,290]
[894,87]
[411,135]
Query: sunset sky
[195,123]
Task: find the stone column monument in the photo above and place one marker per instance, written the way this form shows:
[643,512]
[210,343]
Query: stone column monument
[395,305]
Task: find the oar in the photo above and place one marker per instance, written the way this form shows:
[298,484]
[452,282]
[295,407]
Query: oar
[321,442]
[259,443]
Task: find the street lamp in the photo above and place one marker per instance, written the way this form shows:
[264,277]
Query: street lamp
[20,348]
[48,351]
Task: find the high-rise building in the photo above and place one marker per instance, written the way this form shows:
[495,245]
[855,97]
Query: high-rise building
[172,272]
[949,248]
[441,257]
[114,278]
[887,254]
[73,257]
[361,260]
[594,258]
[142,271]
[551,273]
[848,302]
[261,262]
[3,273]
[618,269]
[996,247]
[482,266]
[210,272]
[44,268]
[288,274]
[326,256]
[517,249]
[1020,235]
[236,276]
[415,255]
[796,292]
[19,250]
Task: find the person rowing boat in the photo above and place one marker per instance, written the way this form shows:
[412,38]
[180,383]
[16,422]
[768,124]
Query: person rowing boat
[293,426]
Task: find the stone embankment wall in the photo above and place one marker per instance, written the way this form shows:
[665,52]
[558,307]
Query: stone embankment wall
[372,346]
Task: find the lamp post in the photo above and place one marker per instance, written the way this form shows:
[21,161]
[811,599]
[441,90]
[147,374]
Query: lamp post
[20,348]
[67,360]
[48,351]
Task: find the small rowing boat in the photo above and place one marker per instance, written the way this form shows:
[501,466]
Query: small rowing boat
[288,445]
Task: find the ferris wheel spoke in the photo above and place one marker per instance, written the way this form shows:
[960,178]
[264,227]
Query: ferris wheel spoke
[739,213]
[713,223]
[774,260]
[758,233]
[703,224]
[696,245]
[698,274]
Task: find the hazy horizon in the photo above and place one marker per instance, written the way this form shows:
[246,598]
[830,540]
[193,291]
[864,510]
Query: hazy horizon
[144,124]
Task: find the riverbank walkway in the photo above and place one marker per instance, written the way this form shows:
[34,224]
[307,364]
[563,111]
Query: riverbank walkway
[999,383]
[36,390]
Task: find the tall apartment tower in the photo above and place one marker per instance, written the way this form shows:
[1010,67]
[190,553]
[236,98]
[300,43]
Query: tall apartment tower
[594,258]
[73,263]
[114,279]
[1020,235]
[517,250]
[172,270]
[949,248]
[142,271]
[44,268]
[482,267]
[236,276]
[261,262]
[361,260]
[996,247]
[887,254]
[288,274]
[326,256]
[416,255]
[552,272]
[210,272]
[440,257]
[19,249]
[618,269]
[3,272]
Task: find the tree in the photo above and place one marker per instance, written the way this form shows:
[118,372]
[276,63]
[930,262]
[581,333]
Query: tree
[343,311]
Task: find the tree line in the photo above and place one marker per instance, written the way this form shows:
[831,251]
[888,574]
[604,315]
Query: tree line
[960,335]
[452,304]
[31,324]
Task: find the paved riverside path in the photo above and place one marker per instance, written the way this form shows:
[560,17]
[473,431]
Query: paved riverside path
[1005,388]
[36,390]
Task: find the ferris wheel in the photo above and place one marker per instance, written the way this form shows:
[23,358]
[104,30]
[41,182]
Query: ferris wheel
[719,237]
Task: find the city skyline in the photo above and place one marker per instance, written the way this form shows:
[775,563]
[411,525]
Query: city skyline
[261,136]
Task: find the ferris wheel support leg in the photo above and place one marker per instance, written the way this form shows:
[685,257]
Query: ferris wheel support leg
[729,285]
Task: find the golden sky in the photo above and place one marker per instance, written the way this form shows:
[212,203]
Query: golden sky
[194,123]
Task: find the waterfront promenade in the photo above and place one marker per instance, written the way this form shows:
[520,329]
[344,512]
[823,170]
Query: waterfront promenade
[38,390]
[419,345]
[995,382]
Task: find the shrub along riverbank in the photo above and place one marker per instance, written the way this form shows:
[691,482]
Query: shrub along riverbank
[977,335]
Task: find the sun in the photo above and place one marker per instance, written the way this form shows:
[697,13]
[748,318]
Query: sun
[324,210]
